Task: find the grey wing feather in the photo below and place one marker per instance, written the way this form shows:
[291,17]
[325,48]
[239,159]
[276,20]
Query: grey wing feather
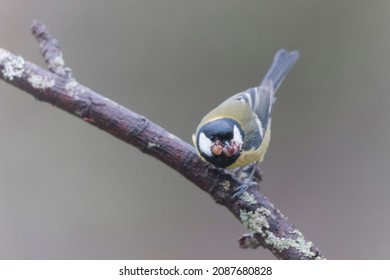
[261,98]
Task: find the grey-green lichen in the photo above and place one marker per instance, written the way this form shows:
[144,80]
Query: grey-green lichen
[73,88]
[255,221]
[4,54]
[299,243]
[13,66]
[71,85]
[248,198]
[225,185]
[40,82]
[58,60]
[152,145]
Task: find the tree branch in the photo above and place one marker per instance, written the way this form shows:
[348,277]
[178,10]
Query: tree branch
[267,226]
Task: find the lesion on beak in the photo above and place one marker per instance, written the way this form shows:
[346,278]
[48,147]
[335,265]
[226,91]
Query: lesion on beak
[217,148]
[227,148]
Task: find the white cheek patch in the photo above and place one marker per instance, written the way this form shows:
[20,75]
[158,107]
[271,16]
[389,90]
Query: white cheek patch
[237,135]
[205,144]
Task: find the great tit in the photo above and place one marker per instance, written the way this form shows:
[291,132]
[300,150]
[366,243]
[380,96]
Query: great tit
[237,132]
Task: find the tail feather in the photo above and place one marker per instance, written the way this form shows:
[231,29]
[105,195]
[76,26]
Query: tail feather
[283,62]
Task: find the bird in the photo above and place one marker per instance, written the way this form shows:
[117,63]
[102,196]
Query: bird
[237,132]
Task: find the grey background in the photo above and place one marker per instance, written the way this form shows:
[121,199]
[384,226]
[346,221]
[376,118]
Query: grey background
[71,191]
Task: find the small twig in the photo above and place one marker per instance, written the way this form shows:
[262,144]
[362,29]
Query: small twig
[50,49]
[267,226]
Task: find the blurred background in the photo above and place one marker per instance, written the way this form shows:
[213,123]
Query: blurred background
[71,191]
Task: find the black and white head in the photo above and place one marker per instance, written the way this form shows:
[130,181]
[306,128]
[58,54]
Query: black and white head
[220,141]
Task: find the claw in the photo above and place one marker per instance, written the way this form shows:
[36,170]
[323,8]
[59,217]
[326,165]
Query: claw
[247,184]
[243,188]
